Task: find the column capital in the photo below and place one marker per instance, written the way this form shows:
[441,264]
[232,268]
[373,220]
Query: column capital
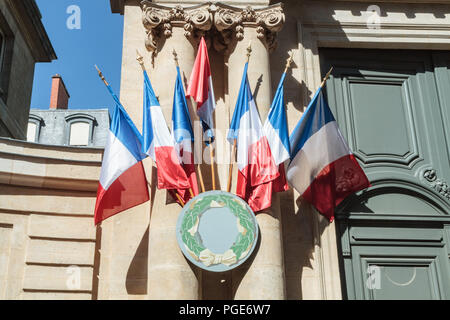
[159,20]
[231,22]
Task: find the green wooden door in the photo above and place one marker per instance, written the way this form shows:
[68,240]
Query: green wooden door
[394,109]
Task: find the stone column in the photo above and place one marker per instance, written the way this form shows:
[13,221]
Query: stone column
[169,274]
[263,278]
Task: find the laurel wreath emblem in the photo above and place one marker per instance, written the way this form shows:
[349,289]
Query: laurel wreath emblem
[191,238]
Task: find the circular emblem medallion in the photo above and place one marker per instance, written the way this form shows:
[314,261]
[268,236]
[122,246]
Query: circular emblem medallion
[217,231]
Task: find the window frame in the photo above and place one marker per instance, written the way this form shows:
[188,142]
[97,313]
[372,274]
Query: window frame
[76,118]
[39,122]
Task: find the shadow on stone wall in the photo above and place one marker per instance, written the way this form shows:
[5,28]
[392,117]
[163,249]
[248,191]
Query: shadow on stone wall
[136,281]
[301,236]
[137,276]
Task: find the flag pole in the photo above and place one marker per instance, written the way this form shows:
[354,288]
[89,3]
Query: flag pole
[233,151]
[175,57]
[180,199]
[211,155]
[289,61]
[199,169]
[327,76]
[230,169]
[100,74]
[140,59]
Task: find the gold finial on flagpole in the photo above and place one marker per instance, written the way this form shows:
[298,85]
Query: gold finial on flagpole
[175,57]
[289,61]
[100,74]
[140,59]
[249,51]
[326,77]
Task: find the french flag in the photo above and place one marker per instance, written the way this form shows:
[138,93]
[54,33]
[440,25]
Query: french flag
[322,168]
[277,133]
[257,168]
[201,89]
[158,143]
[183,137]
[122,180]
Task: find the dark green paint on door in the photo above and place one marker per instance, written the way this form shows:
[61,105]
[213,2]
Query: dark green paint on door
[394,109]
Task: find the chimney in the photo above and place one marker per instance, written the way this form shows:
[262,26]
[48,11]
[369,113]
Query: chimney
[59,99]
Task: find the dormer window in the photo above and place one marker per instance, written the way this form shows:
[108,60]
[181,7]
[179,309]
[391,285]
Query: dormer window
[34,128]
[80,129]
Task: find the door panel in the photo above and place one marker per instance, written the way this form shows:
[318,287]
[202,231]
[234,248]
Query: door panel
[389,111]
[396,140]
[442,75]
[399,273]
[393,108]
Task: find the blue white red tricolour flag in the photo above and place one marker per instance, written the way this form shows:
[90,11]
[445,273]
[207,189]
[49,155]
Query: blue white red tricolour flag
[201,89]
[183,136]
[158,143]
[277,133]
[256,166]
[322,168]
[122,180]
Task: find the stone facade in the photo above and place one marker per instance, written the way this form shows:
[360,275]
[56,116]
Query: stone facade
[60,126]
[46,200]
[53,127]
[297,257]
[25,43]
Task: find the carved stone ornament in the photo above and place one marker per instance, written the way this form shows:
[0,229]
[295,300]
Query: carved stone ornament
[159,20]
[229,22]
[437,184]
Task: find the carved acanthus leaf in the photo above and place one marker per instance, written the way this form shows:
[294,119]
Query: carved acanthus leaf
[267,21]
[229,21]
[159,21]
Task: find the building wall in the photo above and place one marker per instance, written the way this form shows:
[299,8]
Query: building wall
[14,109]
[55,125]
[310,244]
[47,194]
[48,241]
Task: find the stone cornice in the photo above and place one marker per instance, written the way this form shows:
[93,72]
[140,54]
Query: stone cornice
[229,21]
[35,165]
[28,18]
[117,6]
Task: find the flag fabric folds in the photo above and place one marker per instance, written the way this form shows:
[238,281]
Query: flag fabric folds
[123,184]
[277,133]
[256,165]
[322,168]
[183,137]
[158,143]
[201,89]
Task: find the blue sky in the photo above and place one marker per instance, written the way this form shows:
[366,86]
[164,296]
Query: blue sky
[99,41]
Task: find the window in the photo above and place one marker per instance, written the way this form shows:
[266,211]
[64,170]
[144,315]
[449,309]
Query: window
[80,129]
[34,128]
[79,134]
[31,132]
